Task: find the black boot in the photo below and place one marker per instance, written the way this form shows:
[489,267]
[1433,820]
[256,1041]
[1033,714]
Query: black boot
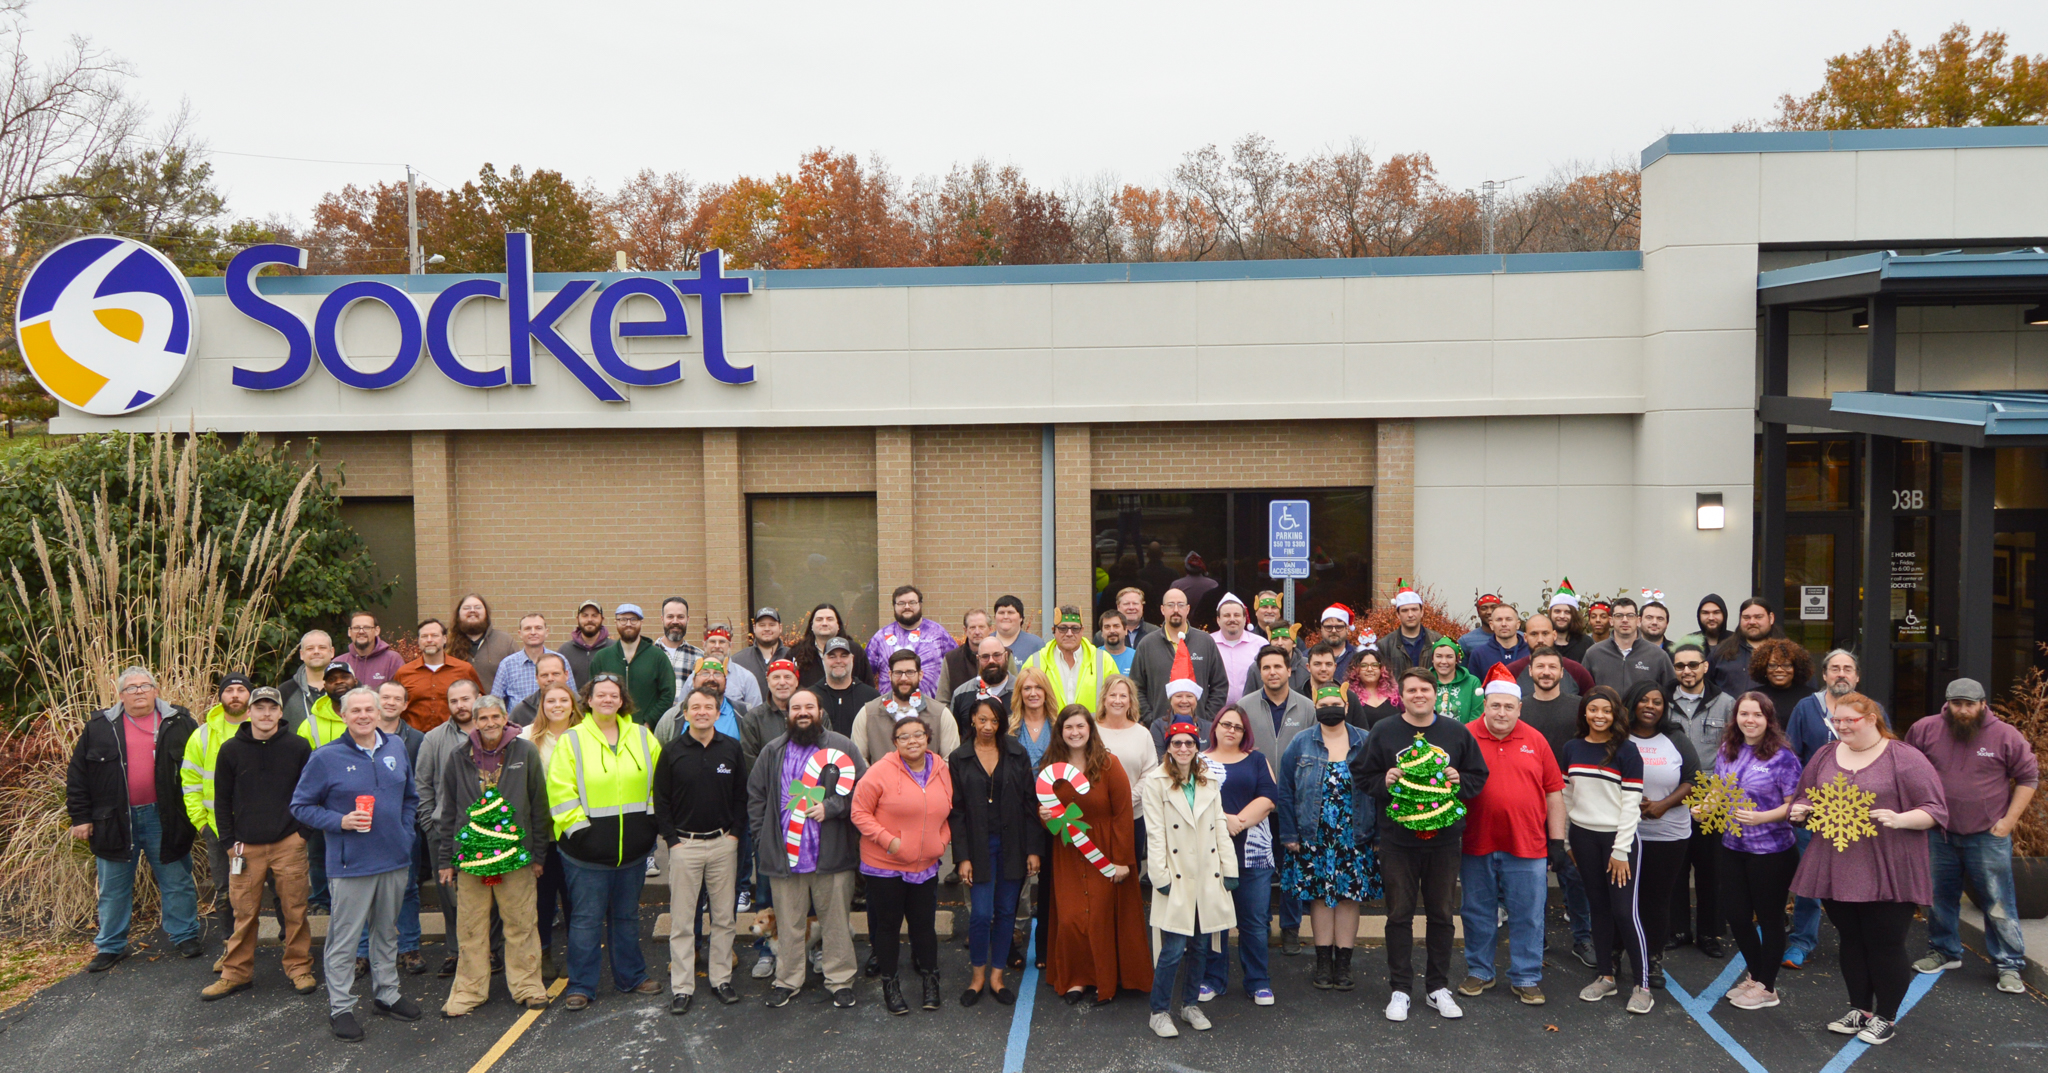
[892,997]
[1325,962]
[931,990]
[1657,971]
[1340,977]
[1290,941]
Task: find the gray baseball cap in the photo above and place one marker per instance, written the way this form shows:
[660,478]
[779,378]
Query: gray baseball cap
[838,644]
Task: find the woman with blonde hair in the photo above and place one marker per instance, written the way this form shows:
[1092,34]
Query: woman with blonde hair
[1031,720]
[1193,865]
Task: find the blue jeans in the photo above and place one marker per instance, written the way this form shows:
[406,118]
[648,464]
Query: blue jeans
[1520,883]
[316,871]
[604,909]
[1987,860]
[1254,900]
[1174,949]
[180,898]
[1577,911]
[1290,911]
[992,917]
[409,908]
[1805,933]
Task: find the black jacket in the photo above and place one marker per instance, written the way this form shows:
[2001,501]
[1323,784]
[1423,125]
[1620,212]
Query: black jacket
[253,782]
[1387,739]
[1152,669]
[700,788]
[96,783]
[1394,656]
[1013,816]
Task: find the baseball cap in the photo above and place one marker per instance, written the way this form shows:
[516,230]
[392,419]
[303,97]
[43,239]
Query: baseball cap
[266,693]
[630,609]
[838,644]
[589,603]
[766,612]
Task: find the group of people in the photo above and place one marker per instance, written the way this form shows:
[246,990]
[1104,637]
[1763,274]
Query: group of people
[1138,792]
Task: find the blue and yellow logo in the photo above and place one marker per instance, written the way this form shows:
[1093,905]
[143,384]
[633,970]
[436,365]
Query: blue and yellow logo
[105,324]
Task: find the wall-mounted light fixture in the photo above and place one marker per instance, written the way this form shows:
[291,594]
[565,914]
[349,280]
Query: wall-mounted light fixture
[1709,513]
[1860,318]
[2037,316]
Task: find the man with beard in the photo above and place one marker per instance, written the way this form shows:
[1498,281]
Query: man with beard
[911,630]
[874,729]
[1176,652]
[1989,774]
[649,677]
[428,678]
[1700,709]
[1409,645]
[1653,620]
[710,674]
[767,719]
[300,691]
[1267,612]
[1713,619]
[589,637]
[963,665]
[993,679]
[549,671]
[1116,640]
[519,673]
[767,646]
[475,641]
[373,661]
[820,879]
[1541,632]
[675,627]
[841,695]
[1755,623]
[196,778]
[742,688]
[1570,623]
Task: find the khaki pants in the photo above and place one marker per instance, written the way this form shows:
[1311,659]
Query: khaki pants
[285,860]
[514,897]
[830,896]
[710,865]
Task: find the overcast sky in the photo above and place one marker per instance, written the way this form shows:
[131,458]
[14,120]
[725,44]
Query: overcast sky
[1061,90]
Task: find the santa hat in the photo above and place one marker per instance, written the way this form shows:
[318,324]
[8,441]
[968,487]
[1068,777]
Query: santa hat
[1183,685]
[1369,639]
[1405,596]
[1501,680]
[1336,611]
[1564,595]
[1229,598]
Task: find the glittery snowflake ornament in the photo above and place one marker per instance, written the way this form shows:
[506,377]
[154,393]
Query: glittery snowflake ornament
[1714,799]
[1841,811]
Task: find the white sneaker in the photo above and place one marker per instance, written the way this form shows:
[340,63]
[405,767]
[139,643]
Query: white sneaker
[1162,1026]
[653,869]
[764,968]
[1195,1018]
[1445,1004]
[2009,981]
[1397,1007]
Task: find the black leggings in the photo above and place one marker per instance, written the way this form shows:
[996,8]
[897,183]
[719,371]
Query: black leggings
[1662,862]
[1753,885]
[891,901]
[1874,962]
[1616,924]
[1702,859]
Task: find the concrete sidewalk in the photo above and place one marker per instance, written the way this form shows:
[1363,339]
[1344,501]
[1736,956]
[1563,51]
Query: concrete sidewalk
[2033,932]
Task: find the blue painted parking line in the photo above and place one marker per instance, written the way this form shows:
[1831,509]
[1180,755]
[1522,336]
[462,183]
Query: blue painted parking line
[1854,1049]
[1020,1021]
[1700,1008]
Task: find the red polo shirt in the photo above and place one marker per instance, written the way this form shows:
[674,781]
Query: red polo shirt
[1509,815]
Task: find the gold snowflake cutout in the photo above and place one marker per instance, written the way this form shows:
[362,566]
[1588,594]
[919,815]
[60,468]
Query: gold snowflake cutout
[1841,811]
[1714,798]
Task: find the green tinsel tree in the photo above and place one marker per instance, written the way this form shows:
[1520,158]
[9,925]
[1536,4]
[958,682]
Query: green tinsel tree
[1424,798]
[491,843]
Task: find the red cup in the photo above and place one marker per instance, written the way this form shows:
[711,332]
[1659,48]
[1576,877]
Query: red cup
[366,803]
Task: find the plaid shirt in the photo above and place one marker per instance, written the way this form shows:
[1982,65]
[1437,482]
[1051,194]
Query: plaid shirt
[518,677]
[683,658]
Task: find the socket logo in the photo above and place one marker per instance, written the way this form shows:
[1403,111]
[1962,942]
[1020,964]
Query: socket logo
[105,324]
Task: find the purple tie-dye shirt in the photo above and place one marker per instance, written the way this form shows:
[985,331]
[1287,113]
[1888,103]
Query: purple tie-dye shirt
[794,757]
[1768,783]
[929,640]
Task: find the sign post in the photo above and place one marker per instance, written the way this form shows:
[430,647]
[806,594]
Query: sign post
[1287,546]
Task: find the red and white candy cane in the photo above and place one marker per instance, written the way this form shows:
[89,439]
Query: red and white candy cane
[1067,830]
[807,792]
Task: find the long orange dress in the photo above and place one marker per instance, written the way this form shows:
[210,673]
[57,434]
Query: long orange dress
[1098,927]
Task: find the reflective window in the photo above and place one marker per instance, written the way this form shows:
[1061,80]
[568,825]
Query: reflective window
[809,550]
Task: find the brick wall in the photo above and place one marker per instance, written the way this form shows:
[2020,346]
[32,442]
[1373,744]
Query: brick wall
[1393,506]
[794,461]
[975,495]
[1152,457]
[377,463]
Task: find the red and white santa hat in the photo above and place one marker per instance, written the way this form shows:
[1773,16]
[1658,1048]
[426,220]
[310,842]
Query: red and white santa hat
[1502,680]
[1338,612]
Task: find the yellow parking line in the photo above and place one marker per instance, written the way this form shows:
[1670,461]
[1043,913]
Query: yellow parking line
[517,1030]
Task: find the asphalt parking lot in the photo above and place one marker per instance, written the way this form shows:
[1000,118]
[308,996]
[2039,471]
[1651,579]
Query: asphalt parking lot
[145,1014]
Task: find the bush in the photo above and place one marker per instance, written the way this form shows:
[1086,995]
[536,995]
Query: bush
[2025,706]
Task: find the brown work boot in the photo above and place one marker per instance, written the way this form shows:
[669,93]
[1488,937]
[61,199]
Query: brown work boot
[220,989]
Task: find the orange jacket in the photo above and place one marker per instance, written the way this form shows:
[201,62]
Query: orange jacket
[426,692]
[889,804]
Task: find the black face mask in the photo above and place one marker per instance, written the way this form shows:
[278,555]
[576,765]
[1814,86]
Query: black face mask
[1329,717]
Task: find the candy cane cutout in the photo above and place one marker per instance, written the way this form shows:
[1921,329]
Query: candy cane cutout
[805,792]
[1067,827]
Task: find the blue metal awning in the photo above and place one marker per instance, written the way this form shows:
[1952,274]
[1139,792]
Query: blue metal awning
[2013,276]
[1962,418]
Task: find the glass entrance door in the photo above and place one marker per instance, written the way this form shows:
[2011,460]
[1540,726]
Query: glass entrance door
[2016,596]
[1820,597]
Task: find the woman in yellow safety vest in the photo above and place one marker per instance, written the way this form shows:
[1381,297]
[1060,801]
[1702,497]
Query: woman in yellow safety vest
[601,794]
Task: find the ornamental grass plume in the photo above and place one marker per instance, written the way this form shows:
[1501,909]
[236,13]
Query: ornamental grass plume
[2025,706]
[112,605]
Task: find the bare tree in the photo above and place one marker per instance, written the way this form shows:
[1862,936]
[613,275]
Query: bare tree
[57,118]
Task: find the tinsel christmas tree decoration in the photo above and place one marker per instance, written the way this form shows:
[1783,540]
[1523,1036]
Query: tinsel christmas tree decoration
[1841,811]
[1425,800]
[1713,801]
[491,844]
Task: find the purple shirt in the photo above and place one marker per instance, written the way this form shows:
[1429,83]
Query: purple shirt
[1892,866]
[925,875]
[929,640]
[793,758]
[1768,783]
[374,669]
[1974,772]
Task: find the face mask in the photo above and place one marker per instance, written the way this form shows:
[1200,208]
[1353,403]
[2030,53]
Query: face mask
[1329,717]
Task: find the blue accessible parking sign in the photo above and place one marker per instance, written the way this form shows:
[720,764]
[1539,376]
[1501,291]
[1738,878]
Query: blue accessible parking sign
[1287,543]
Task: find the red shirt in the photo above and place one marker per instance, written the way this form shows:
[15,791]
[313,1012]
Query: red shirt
[141,758]
[1510,814]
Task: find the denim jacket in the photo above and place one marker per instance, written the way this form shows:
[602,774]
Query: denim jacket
[1303,766]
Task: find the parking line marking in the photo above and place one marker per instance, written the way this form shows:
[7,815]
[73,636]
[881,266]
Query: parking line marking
[517,1030]
[1854,1049]
[1020,1021]
[1701,1009]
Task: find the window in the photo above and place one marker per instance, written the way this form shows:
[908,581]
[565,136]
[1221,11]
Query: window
[1154,539]
[803,551]
[387,531]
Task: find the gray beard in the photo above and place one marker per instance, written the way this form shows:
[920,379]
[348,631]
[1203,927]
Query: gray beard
[1840,689]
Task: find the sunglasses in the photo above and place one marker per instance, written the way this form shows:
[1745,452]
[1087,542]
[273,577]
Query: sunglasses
[1068,630]
[607,677]
[1689,664]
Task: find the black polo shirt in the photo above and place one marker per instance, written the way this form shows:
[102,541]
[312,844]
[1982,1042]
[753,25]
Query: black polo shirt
[700,788]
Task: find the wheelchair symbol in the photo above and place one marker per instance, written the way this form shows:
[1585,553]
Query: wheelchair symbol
[1287,520]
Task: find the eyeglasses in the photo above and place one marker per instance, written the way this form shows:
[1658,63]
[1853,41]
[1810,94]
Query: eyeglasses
[1777,666]
[1621,614]
[1227,726]
[1066,631]
[907,672]
[1689,665]
[138,687]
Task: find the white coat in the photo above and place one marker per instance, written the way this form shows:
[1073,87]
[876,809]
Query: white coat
[1188,854]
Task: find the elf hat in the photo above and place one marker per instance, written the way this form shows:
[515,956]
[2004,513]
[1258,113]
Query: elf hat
[782,665]
[1445,642]
[712,664]
[1177,729]
[1564,595]
[1338,612]
[1333,691]
[1404,596]
[718,629]
[1499,680]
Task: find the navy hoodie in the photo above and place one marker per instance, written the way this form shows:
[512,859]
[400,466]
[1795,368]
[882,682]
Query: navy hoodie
[336,774]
